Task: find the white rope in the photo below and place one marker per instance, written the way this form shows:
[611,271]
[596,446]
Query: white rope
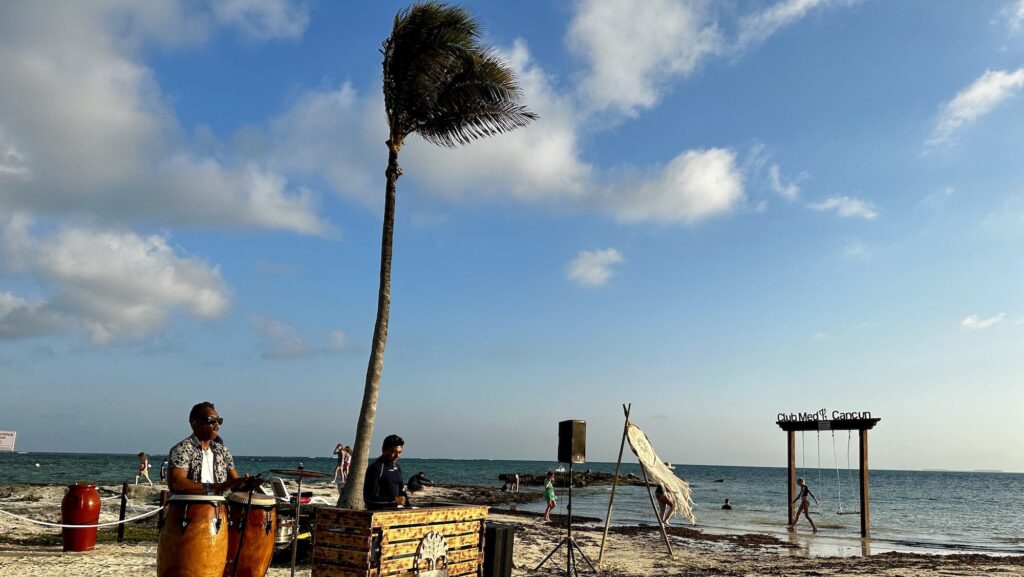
[682,497]
[62,526]
[839,480]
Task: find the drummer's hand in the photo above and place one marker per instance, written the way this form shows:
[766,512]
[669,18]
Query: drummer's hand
[233,483]
[400,501]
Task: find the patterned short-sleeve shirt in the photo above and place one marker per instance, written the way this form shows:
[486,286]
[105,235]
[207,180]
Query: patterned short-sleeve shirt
[188,455]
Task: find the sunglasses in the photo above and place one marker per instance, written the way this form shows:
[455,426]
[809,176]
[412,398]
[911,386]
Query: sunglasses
[212,420]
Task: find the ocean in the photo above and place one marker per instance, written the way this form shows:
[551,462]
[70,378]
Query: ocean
[934,511]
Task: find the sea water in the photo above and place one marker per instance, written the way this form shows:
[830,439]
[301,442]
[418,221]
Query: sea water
[910,510]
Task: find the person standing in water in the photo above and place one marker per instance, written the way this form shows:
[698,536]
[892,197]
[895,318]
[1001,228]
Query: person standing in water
[805,505]
[549,495]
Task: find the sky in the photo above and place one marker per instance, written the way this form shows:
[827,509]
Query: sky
[726,211]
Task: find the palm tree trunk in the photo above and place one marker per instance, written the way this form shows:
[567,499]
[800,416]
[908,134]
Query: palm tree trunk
[352,495]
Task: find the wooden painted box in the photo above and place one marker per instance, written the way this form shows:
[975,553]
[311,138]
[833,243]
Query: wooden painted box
[439,541]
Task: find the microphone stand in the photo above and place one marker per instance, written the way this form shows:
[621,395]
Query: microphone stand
[243,522]
[298,518]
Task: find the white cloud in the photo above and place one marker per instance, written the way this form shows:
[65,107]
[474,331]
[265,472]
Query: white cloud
[756,27]
[1014,13]
[991,89]
[263,19]
[976,323]
[696,184]
[847,207]
[109,284]
[634,48]
[538,162]
[788,190]
[84,128]
[21,318]
[936,201]
[857,250]
[594,268]
[282,341]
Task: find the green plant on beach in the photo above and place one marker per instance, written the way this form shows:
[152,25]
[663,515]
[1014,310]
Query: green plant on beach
[441,83]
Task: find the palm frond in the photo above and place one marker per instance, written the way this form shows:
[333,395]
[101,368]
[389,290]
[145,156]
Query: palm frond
[439,81]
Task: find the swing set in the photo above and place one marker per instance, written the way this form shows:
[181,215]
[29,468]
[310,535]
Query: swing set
[835,458]
[855,422]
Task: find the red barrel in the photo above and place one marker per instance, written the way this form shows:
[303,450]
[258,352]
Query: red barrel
[80,506]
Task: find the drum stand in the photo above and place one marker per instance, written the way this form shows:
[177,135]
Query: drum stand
[571,547]
[241,531]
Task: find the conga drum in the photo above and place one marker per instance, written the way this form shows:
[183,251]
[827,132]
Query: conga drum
[194,538]
[257,545]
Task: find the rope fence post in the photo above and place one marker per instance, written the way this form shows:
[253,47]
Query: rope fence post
[124,505]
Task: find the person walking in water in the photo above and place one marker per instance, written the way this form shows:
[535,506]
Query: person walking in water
[143,469]
[549,495]
[805,505]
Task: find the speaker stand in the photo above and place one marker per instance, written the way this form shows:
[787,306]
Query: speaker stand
[571,546]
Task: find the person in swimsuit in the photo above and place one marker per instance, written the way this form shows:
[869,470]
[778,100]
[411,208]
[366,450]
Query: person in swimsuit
[549,495]
[339,450]
[143,469]
[805,505]
[668,506]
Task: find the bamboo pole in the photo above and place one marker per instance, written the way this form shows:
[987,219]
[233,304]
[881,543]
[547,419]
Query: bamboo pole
[615,482]
[661,523]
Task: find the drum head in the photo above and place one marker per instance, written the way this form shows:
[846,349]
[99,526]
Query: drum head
[258,499]
[211,499]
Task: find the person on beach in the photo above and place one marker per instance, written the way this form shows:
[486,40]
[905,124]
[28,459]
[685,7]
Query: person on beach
[339,450]
[346,463]
[727,506]
[417,482]
[163,470]
[515,482]
[200,464]
[549,495]
[668,506]
[805,505]
[143,469]
[384,486]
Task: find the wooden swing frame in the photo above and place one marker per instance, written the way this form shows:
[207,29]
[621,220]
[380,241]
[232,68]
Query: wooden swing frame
[862,426]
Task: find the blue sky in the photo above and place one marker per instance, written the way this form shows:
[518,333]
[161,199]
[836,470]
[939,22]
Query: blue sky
[727,210]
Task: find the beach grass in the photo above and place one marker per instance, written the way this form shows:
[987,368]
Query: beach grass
[54,539]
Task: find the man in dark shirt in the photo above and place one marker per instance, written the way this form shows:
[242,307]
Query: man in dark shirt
[417,482]
[384,487]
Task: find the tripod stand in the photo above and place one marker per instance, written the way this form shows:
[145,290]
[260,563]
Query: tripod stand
[571,547]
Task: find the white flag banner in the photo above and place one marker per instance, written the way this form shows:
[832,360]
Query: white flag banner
[7,440]
[659,471]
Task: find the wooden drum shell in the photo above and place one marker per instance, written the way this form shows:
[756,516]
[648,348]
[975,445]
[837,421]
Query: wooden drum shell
[194,538]
[260,533]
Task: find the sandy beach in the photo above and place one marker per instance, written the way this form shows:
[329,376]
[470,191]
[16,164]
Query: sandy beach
[629,551]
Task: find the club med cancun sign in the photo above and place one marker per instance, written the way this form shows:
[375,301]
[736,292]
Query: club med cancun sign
[7,440]
[822,415]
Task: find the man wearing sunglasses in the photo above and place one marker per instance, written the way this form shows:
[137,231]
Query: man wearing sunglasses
[201,464]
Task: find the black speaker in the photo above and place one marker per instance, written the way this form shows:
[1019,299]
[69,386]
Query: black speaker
[498,542]
[572,441]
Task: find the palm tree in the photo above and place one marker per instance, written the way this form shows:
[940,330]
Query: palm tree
[440,83]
